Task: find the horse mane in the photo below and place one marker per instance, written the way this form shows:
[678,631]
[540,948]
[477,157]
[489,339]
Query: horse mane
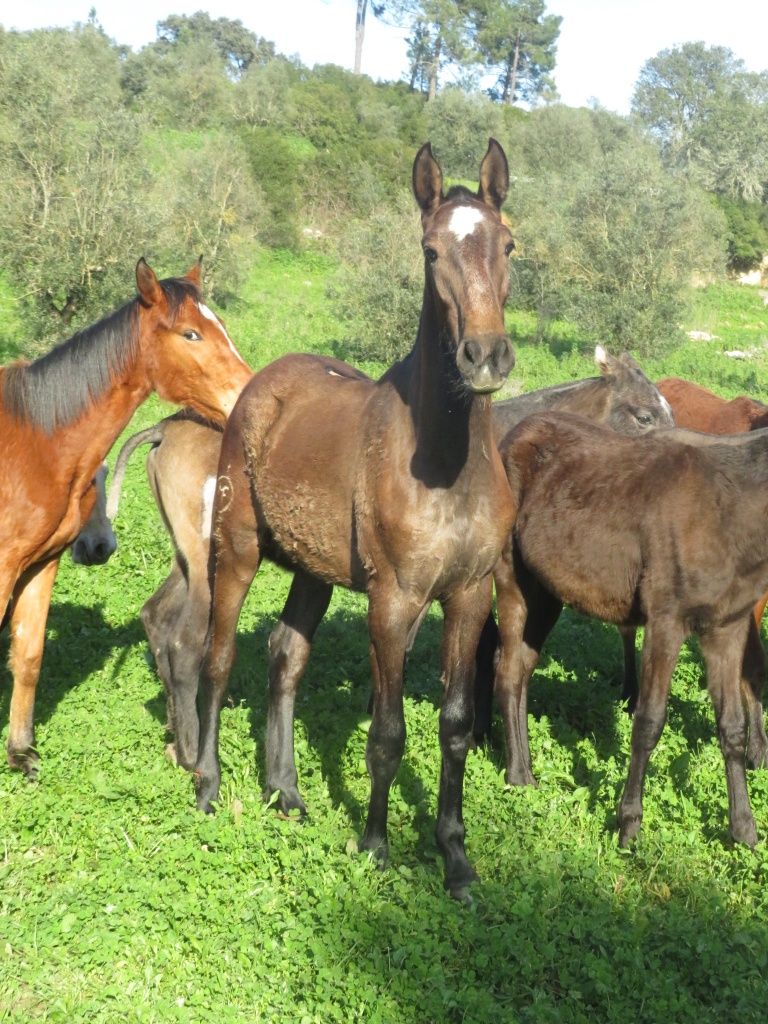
[54,390]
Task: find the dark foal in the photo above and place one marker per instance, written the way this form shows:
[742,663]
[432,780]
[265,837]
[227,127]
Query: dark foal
[701,410]
[394,488]
[664,531]
[622,398]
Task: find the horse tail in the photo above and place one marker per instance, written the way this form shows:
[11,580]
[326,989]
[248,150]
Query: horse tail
[152,435]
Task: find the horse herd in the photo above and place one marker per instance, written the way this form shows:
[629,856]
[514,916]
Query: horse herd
[413,488]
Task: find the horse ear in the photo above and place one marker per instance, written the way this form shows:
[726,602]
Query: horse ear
[147,283]
[494,176]
[606,363]
[194,274]
[427,180]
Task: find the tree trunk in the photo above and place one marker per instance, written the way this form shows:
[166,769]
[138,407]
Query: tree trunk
[362,6]
[510,83]
[433,69]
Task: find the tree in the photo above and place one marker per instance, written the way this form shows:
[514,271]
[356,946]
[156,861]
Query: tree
[360,15]
[709,116]
[237,46]
[517,40]
[441,33]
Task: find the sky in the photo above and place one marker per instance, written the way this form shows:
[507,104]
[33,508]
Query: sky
[602,47]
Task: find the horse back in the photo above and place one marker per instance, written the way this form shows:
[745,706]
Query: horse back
[699,409]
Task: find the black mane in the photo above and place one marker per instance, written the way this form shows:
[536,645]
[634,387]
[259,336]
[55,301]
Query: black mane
[54,390]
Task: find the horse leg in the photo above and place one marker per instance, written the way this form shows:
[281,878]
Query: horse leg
[752,684]
[630,688]
[185,653]
[31,601]
[466,610]
[527,614]
[237,559]
[661,648]
[722,649]
[391,617]
[289,646]
[159,615]
[485,660]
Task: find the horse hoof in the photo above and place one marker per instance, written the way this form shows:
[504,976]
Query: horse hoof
[745,832]
[524,777]
[628,832]
[26,761]
[377,848]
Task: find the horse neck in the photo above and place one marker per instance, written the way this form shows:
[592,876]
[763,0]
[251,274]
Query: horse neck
[452,427]
[587,397]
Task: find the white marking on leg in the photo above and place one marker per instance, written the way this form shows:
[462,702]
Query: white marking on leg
[464,220]
[209,490]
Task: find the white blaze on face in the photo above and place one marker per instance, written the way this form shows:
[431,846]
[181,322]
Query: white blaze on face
[210,315]
[464,220]
[209,490]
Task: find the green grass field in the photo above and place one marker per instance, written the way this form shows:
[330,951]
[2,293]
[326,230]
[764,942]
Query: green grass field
[120,903]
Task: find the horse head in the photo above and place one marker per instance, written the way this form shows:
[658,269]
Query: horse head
[466,246]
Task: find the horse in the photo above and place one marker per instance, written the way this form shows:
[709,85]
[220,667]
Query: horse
[59,415]
[664,531]
[622,398]
[698,409]
[182,465]
[393,488]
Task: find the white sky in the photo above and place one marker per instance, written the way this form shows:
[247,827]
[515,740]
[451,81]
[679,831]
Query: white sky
[602,46]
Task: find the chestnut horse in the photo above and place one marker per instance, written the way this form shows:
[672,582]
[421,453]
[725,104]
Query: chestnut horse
[182,465]
[394,488]
[698,409]
[665,531]
[58,418]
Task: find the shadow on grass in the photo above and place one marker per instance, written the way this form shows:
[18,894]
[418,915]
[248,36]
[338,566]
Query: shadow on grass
[79,642]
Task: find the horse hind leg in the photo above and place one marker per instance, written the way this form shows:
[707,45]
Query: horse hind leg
[289,647]
[159,616]
[31,601]
[722,651]
[752,684]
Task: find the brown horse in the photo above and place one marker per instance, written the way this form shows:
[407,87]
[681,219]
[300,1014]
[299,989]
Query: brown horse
[394,488]
[664,531]
[58,418]
[182,468]
[698,409]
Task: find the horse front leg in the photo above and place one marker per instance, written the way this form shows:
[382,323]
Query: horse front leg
[29,612]
[723,652]
[391,618]
[289,645]
[485,662]
[527,613]
[466,612]
[661,648]
[630,687]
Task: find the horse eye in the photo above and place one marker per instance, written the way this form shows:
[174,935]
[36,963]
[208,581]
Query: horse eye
[430,254]
[643,418]
[509,248]
[191,335]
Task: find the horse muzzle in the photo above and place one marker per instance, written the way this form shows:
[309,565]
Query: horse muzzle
[485,362]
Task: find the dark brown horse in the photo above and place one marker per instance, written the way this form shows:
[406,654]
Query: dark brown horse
[665,531]
[394,488]
[622,398]
[698,409]
[58,418]
[182,465]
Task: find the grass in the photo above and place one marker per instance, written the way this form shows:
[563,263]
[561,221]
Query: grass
[119,902]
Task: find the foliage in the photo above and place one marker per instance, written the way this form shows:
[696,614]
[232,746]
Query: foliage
[607,239]
[459,125]
[517,40]
[118,902]
[747,232]
[710,117]
[378,290]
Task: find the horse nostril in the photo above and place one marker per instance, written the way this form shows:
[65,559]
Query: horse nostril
[504,355]
[472,352]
